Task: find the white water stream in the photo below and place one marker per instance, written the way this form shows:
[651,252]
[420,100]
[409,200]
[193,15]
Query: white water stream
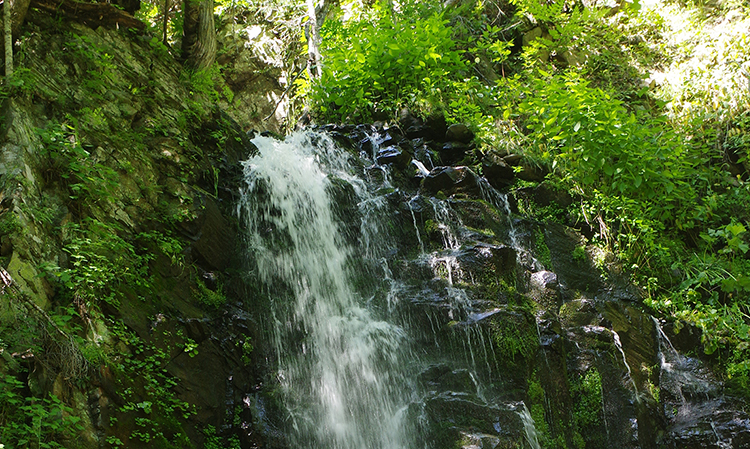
[529,428]
[340,366]
[618,345]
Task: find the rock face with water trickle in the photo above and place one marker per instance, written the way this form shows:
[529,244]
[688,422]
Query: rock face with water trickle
[497,171]
[449,180]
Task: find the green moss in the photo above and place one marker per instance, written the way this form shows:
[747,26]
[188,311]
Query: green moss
[9,223]
[515,335]
[738,376]
[579,254]
[536,399]
[246,347]
[207,297]
[587,409]
[541,249]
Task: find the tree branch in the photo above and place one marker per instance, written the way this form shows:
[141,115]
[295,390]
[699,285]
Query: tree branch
[91,14]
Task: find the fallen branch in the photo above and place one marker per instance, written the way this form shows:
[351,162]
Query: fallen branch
[282,96]
[61,353]
[91,14]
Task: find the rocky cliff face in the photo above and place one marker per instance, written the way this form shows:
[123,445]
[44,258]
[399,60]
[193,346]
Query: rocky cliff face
[122,293]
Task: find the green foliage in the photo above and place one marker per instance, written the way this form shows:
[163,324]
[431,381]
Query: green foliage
[579,254]
[588,410]
[212,299]
[9,223]
[385,65]
[204,87]
[738,371]
[148,392]
[515,336]
[102,264]
[33,423]
[214,441]
[246,346]
[100,67]
[166,244]
[87,180]
[537,400]
[591,139]
[541,249]
[22,80]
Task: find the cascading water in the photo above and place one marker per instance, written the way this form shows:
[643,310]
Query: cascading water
[618,345]
[390,320]
[529,428]
[340,365]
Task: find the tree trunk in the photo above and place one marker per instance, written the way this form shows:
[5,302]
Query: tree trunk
[166,22]
[18,11]
[316,16]
[313,41]
[90,14]
[8,38]
[199,34]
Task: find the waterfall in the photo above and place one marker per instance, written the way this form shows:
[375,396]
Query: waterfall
[340,364]
[618,345]
[529,428]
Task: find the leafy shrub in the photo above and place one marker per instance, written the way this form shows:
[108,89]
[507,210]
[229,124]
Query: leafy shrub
[592,139]
[149,399]
[87,180]
[587,410]
[100,261]
[394,62]
[29,422]
[207,297]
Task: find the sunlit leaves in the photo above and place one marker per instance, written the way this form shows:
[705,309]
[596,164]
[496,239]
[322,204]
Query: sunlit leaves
[600,145]
[382,65]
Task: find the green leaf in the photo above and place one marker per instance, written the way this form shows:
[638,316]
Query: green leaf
[736,228]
